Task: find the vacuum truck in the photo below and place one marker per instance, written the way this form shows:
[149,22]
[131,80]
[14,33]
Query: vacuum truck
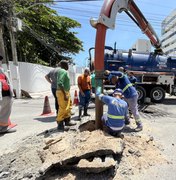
[155,73]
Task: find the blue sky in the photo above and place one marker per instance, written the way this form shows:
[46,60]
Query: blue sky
[125,33]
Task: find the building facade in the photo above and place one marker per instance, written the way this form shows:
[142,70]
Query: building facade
[142,46]
[168,34]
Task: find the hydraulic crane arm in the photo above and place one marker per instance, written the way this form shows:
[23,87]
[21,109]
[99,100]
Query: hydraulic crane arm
[143,24]
[112,7]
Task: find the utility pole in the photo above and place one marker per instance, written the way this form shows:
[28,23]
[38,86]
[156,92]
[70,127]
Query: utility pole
[12,30]
[2,50]
[14,54]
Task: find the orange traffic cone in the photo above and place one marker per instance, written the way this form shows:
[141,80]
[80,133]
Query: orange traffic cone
[11,125]
[75,102]
[46,107]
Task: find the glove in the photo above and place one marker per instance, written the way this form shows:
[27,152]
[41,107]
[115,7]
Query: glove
[100,96]
[107,72]
[98,91]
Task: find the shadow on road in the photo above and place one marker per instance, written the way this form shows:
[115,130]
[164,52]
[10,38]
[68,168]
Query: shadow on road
[128,129]
[48,132]
[169,101]
[46,119]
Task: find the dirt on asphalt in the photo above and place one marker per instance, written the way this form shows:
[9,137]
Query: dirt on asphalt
[140,152]
[147,154]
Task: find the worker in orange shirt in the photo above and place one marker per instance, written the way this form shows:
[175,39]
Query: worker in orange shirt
[84,84]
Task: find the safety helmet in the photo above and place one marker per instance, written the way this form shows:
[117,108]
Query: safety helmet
[118,91]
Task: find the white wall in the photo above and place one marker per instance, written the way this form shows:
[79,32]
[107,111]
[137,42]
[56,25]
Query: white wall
[142,45]
[32,76]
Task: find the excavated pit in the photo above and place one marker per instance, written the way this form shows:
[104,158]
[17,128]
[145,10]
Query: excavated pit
[81,152]
[152,112]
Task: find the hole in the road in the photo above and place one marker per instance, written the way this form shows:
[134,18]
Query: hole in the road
[87,126]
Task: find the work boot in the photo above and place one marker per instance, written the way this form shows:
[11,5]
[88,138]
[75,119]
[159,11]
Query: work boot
[60,126]
[85,112]
[127,121]
[117,134]
[11,130]
[6,130]
[139,127]
[68,122]
[80,114]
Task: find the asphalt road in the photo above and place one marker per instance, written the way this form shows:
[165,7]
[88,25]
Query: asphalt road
[161,118]
[26,113]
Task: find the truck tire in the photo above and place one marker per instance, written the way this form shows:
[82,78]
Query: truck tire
[157,94]
[141,94]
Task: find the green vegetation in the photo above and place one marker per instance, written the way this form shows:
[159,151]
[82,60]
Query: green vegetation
[46,37]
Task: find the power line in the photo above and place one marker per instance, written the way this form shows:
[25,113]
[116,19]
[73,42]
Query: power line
[154,15]
[150,13]
[152,19]
[85,12]
[158,5]
[66,1]
[41,40]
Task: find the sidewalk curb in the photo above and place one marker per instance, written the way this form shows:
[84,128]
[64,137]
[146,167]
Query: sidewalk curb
[49,93]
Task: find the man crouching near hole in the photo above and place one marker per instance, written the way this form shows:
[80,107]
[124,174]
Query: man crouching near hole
[114,119]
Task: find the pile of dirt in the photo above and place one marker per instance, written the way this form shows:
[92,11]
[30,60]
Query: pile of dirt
[80,155]
[140,153]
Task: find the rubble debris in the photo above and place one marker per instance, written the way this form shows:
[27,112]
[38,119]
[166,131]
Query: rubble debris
[72,149]
[4,174]
[81,155]
[140,152]
[150,139]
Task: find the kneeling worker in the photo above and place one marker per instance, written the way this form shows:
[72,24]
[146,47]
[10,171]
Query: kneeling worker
[114,120]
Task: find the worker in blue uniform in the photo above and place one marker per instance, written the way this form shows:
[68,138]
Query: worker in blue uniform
[132,78]
[114,119]
[130,95]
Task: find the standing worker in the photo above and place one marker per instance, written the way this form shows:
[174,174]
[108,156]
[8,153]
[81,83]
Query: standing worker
[84,84]
[114,119]
[63,97]
[51,77]
[5,100]
[130,95]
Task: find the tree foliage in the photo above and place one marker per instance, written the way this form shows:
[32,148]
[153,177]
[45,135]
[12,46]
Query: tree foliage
[5,6]
[46,37]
